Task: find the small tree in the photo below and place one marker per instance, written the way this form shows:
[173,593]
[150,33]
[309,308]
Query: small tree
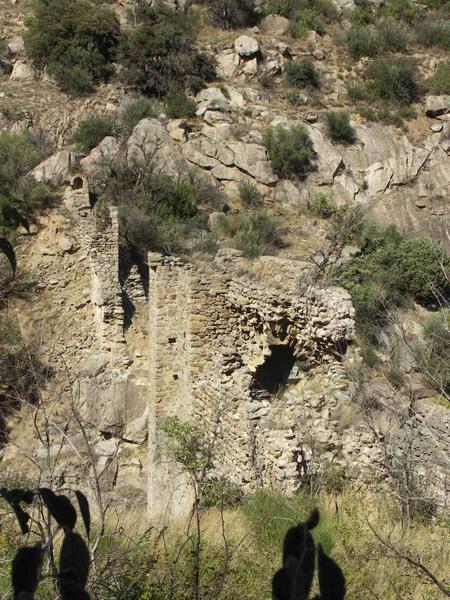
[393,79]
[159,54]
[290,150]
[75,39]
[231,14]
[91,132]
[339,127]
[302,74]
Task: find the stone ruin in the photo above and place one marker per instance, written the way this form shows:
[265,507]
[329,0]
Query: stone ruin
[263,369]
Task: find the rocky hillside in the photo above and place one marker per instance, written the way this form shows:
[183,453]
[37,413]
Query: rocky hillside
[276,147]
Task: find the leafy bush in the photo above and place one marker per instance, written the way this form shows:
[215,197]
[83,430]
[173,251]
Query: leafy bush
[301,73]
[75,39]
[393,36]
[435,31]
[393,79]
[362,40]
[135,111]
[356,90]
[293,8]
[178,105]
[439,82]
[339,128]
[290,150]
[403,10]
[322,206]
[389,272]
[256,234]
[306,20]
[232,14]
[249,193]
[91,132]
[435,353]
[384,114]
[159,55]
[222,493]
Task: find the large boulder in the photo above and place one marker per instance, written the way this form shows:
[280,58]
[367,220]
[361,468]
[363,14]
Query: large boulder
[56,169]
[246,46]
[21,72]
[16,45]
[151,146]
[99,163]
[275,25]
[437,105]
[329,160]
[253,160]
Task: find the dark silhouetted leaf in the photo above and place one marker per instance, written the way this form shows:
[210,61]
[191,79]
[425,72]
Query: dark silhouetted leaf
[84,510]
[14,217]
[74,559]
[8,251]
[71,590]
[331,578]
[14,497]
[60,508]
[313,519]
[26,567]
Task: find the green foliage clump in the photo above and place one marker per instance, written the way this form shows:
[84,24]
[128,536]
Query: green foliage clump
[75,39]
[313,11]
[403,10]
[306,20]
[390,271]
[178,105]
[434,31]
[135,111]
[339,127]
[222,493]
[20,194]
[301,74]
[393,79]
[232,14]
[290,150]
[372,39]
[91,132]
[159,54]
[439,82]
[435,353]
[384,114]
[256,234]
[249,193]
[322,206]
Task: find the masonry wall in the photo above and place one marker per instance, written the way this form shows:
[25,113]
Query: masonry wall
[209,334]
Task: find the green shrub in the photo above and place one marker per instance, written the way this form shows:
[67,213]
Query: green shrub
[393,79]
[384,114]
[322,206]
[435,31]
[306,20]
[296,99]
[285,8]
[249,193]
[362,40]
[393,36]
[356,90]
[91,132]
[159,55]
[360,15]
[439,82]
[389,272]
[403,10]
[339,128]
[75,39]
[290,150]
[301,73]
[222,493]
[232,14]
[435,353]
[178,105]
[256,234]
[135,111]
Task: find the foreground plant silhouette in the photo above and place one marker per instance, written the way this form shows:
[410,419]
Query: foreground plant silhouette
[74,558]
[294,580]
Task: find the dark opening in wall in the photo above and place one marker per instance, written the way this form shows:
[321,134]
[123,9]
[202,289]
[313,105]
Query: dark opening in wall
[273,374]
